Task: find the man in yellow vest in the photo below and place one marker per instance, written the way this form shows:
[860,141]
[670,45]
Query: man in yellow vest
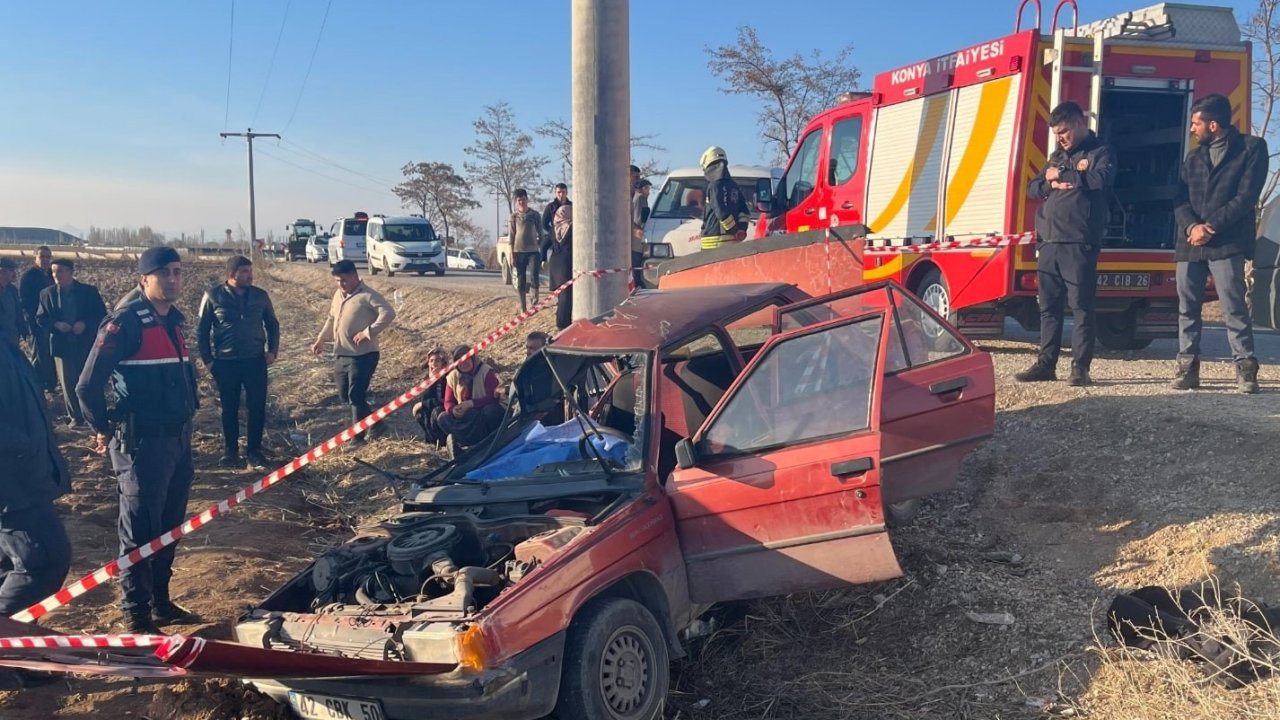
[726,217]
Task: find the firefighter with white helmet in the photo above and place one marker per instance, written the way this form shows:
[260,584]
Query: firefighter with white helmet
[726,217]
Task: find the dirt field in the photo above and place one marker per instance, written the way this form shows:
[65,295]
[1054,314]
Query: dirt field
[1082,493]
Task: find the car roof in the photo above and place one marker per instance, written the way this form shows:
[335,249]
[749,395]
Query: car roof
[402,220]
[659,319]
[737,171]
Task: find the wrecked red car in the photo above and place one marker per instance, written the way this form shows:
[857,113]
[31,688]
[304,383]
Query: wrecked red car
[692,446]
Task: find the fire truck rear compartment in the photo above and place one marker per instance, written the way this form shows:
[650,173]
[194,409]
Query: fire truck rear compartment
[1147,131]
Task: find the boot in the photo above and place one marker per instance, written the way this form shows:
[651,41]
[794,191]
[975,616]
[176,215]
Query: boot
[1039,372]
[535,296]
[523,305]
[140,623]
[168,612]
[1247,375]
[1188,377]
[1079,377]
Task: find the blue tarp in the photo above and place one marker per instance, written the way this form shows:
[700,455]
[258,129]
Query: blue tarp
[541,445]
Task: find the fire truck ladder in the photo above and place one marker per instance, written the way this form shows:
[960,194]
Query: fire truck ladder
[1058,57]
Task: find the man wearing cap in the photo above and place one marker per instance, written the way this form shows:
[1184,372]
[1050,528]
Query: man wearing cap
[70,312]
[358,314]
[13,323]
[143,349]
[34,280]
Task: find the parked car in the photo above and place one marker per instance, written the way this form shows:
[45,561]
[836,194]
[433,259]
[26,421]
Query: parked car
[506,261]
[728,442]
[404,244]
[317,249]
[347,238]
[464,259]
[676,217]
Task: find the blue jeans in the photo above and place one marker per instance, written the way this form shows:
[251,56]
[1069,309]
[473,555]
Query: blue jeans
[1228,278]
[35,556]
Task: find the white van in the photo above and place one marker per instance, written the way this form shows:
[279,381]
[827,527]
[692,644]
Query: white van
[676,217]
[346,238]
[404,244]
[464,259]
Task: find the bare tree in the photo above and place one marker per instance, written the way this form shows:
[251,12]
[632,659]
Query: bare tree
[791,90]
[560,133]
[1263,30]
[439,192]
[503,155]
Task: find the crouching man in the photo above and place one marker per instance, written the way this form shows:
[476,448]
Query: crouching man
[471,407]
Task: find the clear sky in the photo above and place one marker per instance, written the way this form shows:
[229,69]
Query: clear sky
[111,110]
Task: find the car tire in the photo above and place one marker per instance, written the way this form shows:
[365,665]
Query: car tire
[1119,331]
[439,273]
[616,664]
[373,269]
[506,271]
[420,273]
[932,288]
[386,268]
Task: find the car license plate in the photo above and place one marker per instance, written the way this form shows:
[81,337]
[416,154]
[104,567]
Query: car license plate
[328,707]
[1124,281]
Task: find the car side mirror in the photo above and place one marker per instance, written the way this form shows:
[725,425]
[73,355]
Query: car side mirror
[686,454]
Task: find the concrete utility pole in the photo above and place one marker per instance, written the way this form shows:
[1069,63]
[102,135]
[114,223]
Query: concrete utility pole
[601,151]
[249,135]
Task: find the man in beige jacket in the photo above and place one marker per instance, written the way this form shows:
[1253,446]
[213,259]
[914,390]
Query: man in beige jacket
[357,316]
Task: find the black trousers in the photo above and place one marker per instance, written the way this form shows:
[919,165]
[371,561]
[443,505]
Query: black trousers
[353,375]
[559,271]
[42,359]
[637,269]
[155,481]
[35,556]
[528,267]
[1067,274]
[232,376]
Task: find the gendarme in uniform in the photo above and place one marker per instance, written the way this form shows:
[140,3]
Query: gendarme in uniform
[141,348]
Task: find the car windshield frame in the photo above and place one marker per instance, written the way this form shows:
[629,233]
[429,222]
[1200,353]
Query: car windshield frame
[391,232]
[669,203]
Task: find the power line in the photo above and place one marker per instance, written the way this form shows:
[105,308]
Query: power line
[290,163]
[231,44]
[336,164]
[312,158]
[306,76]
[272,65]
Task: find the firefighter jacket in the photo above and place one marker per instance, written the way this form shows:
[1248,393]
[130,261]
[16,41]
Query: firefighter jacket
[145,357]
[1078,214]
[237,327]
[726,214]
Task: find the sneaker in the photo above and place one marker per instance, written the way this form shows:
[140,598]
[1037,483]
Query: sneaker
[1247,375]
[135,624]
[1038,372]
[1188,375]
[256,459]
[171,613]
[231,460]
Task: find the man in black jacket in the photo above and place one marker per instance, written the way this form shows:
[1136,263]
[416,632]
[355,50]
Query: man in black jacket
[35,279]
[35,553]
[726,216]
[1217,227]
[70,312]
[239,338]
[1073,188]
[549,212]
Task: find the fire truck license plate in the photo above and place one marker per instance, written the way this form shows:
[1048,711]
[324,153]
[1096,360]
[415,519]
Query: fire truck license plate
[1124,281]
[327,707]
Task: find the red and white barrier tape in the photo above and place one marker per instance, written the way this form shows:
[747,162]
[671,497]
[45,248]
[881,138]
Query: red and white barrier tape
[75,642]
[138,554]
[982,242]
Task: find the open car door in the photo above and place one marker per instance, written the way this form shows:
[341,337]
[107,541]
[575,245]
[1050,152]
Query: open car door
[779,491]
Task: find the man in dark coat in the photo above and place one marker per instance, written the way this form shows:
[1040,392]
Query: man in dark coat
[70,311]
[1217,226]
[34,280]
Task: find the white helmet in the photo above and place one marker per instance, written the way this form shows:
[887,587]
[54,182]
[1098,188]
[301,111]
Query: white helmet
[712,155]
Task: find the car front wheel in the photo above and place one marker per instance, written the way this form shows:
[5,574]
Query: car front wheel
[616,664]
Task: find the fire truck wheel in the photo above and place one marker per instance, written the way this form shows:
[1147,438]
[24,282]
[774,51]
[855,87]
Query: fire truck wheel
[932,289]
[615,664]
[1119,331]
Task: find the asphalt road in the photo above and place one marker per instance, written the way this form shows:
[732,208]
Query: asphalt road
[470,281]
[1213,343]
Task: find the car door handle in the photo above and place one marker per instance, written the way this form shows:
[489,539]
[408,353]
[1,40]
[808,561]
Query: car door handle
[846,205]
[851,467]
[810,211]
[949,386]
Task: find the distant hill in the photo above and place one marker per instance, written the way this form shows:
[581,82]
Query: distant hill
[36,236]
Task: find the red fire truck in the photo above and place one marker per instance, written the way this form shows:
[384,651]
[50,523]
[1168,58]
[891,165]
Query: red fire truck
[936,158]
